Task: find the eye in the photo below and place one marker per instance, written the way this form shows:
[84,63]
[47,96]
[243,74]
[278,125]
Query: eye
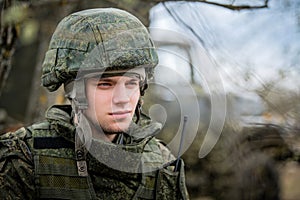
[104,85]
[132,83]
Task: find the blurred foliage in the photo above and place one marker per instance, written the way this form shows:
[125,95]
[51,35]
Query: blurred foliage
[15,14]
[26,26]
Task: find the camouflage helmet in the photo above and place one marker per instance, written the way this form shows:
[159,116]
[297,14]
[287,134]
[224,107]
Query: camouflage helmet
[97,40]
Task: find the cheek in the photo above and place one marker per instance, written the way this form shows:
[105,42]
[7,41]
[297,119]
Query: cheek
[91,98]
[135,97]
[101,101]
[96,100]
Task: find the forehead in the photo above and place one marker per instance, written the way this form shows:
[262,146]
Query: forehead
[111,74]
[113,78]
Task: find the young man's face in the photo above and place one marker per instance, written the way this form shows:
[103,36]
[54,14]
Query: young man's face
[112,101]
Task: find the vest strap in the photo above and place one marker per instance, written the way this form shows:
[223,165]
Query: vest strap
[51,143]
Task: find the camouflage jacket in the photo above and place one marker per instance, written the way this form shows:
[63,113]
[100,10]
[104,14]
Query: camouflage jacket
[39,162]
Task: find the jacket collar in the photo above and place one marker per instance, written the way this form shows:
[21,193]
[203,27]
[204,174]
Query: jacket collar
[61,119]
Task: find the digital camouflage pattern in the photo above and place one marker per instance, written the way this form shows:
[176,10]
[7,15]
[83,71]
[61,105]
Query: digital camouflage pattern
[33,167]
[97,39]
[16,166]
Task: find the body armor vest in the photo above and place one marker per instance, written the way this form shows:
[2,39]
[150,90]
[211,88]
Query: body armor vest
[56,174]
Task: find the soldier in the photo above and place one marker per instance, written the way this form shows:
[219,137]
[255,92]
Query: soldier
[101,146]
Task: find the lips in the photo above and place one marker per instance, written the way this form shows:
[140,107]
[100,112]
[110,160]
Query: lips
[121,114]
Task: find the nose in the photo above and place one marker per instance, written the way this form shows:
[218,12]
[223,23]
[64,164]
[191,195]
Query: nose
[120,94]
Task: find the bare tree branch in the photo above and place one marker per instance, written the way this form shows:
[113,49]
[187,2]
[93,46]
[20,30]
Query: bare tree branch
[229,6]
[238,7]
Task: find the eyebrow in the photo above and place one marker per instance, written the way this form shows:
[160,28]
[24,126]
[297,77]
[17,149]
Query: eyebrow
[108,79]
[105,79]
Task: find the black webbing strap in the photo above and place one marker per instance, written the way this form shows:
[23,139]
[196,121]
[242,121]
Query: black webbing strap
[52,143]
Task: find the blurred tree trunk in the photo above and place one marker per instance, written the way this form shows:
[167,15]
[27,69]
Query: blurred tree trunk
[8,37]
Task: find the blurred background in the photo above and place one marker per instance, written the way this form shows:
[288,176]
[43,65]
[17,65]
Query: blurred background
[231,66]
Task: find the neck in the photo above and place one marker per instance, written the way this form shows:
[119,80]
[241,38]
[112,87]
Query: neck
[102,135]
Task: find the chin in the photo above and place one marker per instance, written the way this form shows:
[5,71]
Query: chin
[119,127]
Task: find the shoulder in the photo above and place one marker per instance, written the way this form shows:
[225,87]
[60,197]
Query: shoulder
[41,129]
[20,133]
[14,141]
[25,133]
[164,151]
[18,144]
[15,153]
[17,163]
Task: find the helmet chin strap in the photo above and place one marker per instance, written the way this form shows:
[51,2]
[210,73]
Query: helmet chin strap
[138,109]
[75,91]
[82,141]
[80,99]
